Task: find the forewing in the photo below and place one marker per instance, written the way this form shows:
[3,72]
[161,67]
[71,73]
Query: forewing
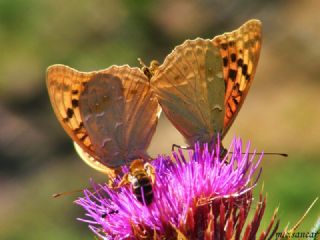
[65,86]
[100,110]
[190,89]
[120,114]
[240,52]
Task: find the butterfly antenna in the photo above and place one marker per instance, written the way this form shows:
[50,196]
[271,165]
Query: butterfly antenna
[268,153]
[275,153]
[174,146]
[141,62]
[60,194]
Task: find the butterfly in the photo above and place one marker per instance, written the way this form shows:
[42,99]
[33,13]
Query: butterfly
[111,115]
[202,83]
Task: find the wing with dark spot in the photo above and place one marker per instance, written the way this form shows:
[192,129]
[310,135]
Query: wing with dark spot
[240,52]
[65,86]
[110,114]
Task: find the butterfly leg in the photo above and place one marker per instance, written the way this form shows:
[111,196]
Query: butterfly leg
[179,146]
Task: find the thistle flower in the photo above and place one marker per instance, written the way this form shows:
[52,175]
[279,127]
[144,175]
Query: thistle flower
[202,196]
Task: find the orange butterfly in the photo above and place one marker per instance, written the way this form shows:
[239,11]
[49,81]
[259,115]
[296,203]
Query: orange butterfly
[111,115]
[202,83]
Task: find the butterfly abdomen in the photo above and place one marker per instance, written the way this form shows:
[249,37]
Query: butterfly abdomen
[142,187]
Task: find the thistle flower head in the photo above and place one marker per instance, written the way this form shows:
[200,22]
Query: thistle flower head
[202,196]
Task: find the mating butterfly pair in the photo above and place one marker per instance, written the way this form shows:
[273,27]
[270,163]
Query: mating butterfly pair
[111,115]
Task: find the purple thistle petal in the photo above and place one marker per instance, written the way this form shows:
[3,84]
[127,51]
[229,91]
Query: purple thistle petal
[179,188]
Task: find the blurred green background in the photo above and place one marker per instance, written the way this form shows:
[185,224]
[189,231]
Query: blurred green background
[281,113]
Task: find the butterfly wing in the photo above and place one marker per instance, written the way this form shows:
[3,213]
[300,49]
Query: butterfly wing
[119,111]
[65,86]
[194,89]
[105,111]
[92,162]
[184,85]
[240,51]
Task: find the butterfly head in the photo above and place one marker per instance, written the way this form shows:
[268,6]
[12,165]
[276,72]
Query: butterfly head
[149,71]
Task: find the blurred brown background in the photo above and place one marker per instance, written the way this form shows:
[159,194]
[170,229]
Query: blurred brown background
[281,113]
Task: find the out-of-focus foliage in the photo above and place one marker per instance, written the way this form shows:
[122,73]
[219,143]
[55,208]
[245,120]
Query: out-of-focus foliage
[281,112]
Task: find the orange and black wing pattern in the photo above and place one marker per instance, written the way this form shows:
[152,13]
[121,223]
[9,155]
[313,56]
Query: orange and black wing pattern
[202,83]
[110,114]
[240,51]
